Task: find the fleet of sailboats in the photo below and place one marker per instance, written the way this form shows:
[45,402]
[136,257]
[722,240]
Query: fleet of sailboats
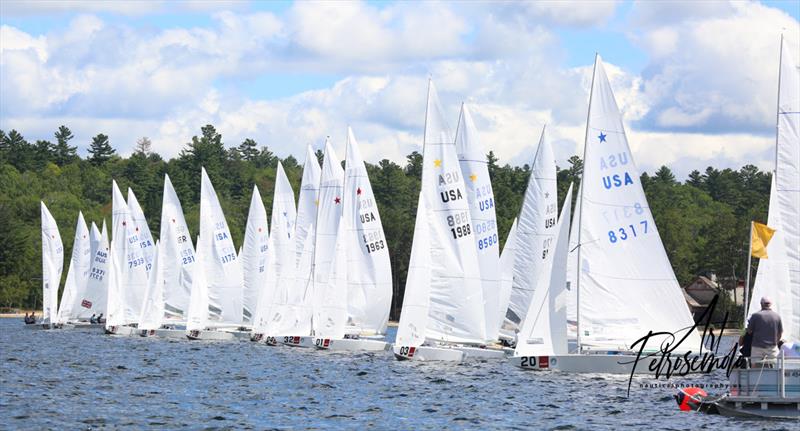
[566,292]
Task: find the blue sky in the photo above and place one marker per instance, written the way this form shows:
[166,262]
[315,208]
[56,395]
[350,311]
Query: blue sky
[696,77]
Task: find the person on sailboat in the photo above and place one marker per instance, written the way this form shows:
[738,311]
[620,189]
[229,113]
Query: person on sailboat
[766,329]
[32,319]
[93,319]
[100,319]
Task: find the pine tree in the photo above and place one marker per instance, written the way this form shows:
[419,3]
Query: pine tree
[64,153]
[100,150]
[248,149]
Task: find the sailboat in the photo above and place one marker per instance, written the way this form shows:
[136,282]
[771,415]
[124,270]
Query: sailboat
[544,331]
[127,280]
[52,265]
[474,166]
[94,299]
[277,311]
[77,274]
[362,283]
[153,307]
[536,235]
[217,275]
[443,313]
[146,242]
[625,284]
[296,331]
[254,260]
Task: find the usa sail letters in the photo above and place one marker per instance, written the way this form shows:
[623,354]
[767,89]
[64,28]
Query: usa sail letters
[664,362]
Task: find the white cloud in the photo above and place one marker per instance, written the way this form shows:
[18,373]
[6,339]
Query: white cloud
[577,13]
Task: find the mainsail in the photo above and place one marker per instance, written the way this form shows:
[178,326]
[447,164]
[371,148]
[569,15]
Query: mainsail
[572,274]
[130,276]
[254,255]
[197,315]
[279,305]
[369,272]
[52,265]
[779,275]
[222,269]
[142,230]
[77,274]
[177,254]
[330,291]
[95,297]
[474,166]
[535,235]
[544,331]
[507,259]
[626,284]
[444,297]
[153,307]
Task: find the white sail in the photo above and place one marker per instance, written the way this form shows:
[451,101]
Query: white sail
[94,238]
[177,254]
[95,297]
[197,315]
[222,268]
[330,296]
[369,271]
[130,275]
[153,307]
[281,310]
[142,230]
[52,265]
[535,235]
[778,275]
[626,284]
[572,273]
[254,255]
[507,259]
[77,274]
[544,331]
[411,330]
[304,238]
[455,297]
[474,166]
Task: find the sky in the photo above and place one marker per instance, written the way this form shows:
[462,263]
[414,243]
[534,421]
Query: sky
[696,80]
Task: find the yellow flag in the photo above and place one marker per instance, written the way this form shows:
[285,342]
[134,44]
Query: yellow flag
[761,236]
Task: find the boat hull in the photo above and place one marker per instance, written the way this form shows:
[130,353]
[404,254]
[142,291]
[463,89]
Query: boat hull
[583,364]
[121,331]
[351,345]
[297,341]
[209,335]
[428,353]
[478,353]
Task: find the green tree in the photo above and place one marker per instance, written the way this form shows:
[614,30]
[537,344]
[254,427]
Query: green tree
[248,149]
[100,150]
[63,152]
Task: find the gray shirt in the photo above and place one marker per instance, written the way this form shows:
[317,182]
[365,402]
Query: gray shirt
[766,327]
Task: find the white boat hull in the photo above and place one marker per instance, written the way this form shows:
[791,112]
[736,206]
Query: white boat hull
[351,345]
[482,353]
[240,335]
[428,353]
[584,364]
[209,335]
[121,331]
[297,341]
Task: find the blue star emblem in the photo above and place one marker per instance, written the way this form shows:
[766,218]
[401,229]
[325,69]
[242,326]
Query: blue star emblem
[602,137]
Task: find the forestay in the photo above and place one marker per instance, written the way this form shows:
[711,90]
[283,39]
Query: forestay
[626,284]
[222,269]
[77,274]
[474,166]
[52,265]
[177,254]
[544,332]
[254,255]
[369,272]
[536,234]
[455,311]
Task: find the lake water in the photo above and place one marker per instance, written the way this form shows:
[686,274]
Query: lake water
[80,380]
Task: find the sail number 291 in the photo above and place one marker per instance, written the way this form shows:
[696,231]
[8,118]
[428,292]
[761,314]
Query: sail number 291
[459,224]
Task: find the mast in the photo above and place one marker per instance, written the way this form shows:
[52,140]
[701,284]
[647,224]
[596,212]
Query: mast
[778,106]
[580,213]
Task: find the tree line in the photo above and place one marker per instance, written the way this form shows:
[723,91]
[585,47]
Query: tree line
[703,221]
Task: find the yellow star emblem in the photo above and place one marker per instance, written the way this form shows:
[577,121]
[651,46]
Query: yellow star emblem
[473,177]
[316,202]
[437,163]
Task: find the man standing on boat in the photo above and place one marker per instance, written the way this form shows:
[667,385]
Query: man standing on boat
[766,329]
